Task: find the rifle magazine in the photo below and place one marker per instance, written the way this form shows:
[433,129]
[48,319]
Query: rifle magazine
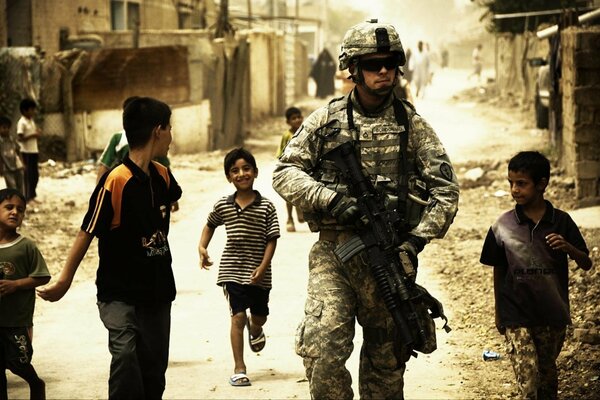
[350,248]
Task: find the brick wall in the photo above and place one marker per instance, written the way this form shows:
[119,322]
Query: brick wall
[580,147]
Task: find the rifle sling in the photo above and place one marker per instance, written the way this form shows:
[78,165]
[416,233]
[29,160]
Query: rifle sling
[402,119]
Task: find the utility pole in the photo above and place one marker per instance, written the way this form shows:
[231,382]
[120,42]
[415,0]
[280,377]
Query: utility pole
[297,15]
[249,5]
[223,25]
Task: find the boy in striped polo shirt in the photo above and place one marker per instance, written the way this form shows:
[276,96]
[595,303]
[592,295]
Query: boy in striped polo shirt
[245,269]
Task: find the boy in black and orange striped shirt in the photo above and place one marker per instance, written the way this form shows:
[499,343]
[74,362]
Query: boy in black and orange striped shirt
[129,212]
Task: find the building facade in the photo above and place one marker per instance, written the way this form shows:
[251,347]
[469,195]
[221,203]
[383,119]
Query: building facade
[46,24]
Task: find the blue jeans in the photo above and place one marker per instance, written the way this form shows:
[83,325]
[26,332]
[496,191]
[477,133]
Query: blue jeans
[138,340]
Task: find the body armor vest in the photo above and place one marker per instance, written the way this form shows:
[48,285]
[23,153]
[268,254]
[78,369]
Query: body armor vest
[381,140]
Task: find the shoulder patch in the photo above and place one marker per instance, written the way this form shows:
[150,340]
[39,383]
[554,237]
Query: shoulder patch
[446,171]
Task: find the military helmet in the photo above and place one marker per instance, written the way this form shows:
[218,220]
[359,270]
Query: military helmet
[367,38]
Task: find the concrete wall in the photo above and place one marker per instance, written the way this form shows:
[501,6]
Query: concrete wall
[580,147]
[190,127]
[267,74]
[88,16]
[301,69]
[516,79]
[49,16]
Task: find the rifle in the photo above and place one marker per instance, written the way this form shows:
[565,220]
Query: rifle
[393,270]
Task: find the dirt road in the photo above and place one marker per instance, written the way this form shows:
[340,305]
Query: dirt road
[70,341]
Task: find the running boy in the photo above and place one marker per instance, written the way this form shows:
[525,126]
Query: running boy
[245,271]
[294,118]
[129,212]
[11,165]
[28,134]
[22,268]
[528,248]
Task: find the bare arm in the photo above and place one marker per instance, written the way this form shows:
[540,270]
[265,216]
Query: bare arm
[557,242]
[80,246]
[22,137]
[10,286]
[207,234]
[259,273]
[499,276]
[102,169]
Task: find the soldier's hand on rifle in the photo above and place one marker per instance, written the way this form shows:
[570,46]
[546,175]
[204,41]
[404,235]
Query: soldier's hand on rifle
[412,246]
[408,248]
[344,209]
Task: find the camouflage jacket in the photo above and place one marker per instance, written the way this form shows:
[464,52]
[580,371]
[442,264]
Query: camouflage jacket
[304,179]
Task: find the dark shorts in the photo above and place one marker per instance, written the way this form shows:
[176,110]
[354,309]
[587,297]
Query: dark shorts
[15,348]
[242,297]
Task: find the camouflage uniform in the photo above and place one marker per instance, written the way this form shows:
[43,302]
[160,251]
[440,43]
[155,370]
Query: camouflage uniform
[337,294]
[533,353]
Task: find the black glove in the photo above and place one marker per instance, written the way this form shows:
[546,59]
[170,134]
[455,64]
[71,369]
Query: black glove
[413,246]
[344,209]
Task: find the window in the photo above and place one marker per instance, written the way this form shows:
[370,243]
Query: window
[124,14]
[184,20]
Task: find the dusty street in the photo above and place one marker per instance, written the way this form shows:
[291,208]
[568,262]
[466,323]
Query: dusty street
[70,342]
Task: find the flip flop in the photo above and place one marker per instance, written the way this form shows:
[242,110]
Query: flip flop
[239,379]
[256,343]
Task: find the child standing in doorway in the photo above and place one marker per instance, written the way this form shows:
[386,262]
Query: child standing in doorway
[22,269]
[529,248]
[294,118]
[245,270]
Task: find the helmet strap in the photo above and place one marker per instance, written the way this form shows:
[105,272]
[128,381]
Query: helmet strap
[357,76]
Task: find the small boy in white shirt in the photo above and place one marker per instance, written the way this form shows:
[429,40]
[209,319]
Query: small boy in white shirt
[28,134]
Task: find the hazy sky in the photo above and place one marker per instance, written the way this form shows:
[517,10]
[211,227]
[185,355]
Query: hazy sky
[433,21]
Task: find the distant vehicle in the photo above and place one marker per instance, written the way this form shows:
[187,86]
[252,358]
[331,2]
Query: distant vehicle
[542,92]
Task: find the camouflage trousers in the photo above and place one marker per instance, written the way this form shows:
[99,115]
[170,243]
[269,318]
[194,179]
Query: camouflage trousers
[533,353]
[338,295]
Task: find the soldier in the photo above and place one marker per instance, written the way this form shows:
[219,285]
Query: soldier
[405,159]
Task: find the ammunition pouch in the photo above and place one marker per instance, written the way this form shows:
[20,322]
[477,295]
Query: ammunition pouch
[427,308]
[417,201]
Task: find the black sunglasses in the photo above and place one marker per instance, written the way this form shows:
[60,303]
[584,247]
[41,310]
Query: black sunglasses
[375,64]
